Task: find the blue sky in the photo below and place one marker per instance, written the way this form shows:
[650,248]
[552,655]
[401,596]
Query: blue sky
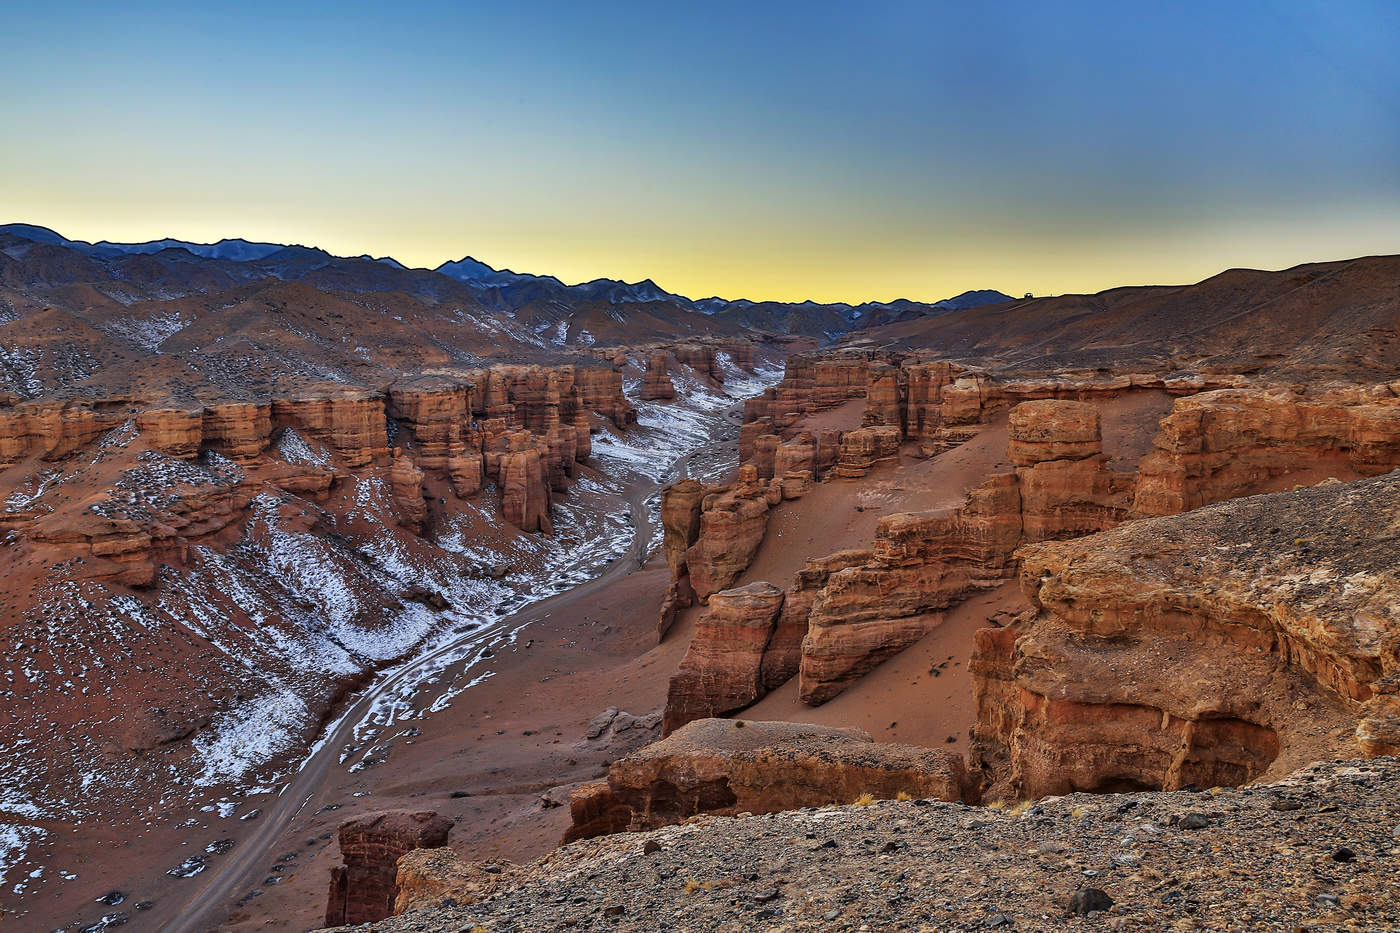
[786,150]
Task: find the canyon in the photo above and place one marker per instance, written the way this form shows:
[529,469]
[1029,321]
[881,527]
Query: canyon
[375,625]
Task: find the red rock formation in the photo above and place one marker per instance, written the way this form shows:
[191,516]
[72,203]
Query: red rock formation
[350,422]
[726,767]
[438,412]
[406,487]
[240,430]
[811,383]
[740,353]
[525,490]
[176,432]
[595,811]
[601,391]
[782,659]
[733,520]
[1053,430]
[1220,444]
[763,454]
[656,382]
[923,563]
[700,358]
[1233,641]
[364,888]
[798,455]
[862,449]
[720,670]
[886,396]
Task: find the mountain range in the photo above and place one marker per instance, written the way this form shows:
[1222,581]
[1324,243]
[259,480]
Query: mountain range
[501,290]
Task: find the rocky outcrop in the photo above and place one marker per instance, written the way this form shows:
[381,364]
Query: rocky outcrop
[1269,848]
[525,488]
[701,358]
[1053,430]
[811,383]
[921,563]
[239,430]
[1207,648]
[364,888]
[175,432]
[348,421]
[740,353]
[782,658]
[431,877]
[600,390]
[733,520]
[886,396]
[438,413]
[406,487]
[731,766]
[862,449]
[721,671]
[925,562]
[1220,444]
[656,381]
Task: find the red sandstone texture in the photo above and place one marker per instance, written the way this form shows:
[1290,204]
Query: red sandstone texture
[364,888]
[1214,647]
[731,766]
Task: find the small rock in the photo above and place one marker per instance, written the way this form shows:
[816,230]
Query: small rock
[1284,803]
[650,846]
[768,894]
[1085,900]
[1342,854]
[1329,900]
[1193,821]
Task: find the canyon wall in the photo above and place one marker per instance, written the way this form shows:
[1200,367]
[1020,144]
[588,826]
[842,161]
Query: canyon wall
[1216,445]
[1237,640]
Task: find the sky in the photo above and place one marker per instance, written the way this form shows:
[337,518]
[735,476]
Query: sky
[781,150]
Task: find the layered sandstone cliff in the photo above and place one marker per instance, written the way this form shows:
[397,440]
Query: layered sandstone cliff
[1207,648]
[922,563]
[731,766]
[1215,445]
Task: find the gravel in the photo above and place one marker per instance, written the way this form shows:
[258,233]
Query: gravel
[1080,862]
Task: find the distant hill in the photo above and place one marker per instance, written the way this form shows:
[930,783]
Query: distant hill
[541,300]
